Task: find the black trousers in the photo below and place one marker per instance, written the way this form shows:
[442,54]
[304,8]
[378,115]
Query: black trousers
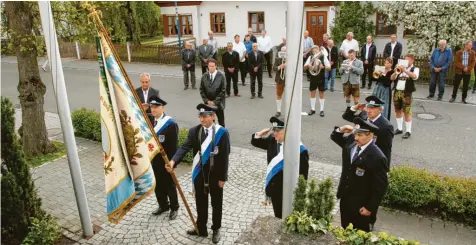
[221,117]
[165,190]
[458,78]
[204,69]
[201,200]
[368,70]
[231,76]
[253,77]
[268,57]
[277,200]
[243,71]
[349,213]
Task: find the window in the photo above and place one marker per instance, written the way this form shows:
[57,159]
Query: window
[408,32]
[382,29]
[256,21]
[185,24]
[217,22]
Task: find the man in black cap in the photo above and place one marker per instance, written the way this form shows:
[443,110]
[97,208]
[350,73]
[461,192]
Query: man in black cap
[211,146]
[372,112]
[212,90]
[166,130]
[363,181]
[273,144]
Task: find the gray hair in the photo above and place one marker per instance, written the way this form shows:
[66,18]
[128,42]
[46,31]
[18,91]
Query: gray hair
[145,74]
[229,43]
[330,41]
[325,34]
[350,33]
[467,42]
[442,41]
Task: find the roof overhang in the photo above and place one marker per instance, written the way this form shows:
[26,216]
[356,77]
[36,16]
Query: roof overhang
[179,3]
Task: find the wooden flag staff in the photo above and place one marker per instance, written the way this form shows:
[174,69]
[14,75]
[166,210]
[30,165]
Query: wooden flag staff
[95,16]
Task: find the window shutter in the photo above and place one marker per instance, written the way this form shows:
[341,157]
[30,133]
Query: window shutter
[165,23]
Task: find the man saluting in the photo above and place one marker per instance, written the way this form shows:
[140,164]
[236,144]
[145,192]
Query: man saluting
[167,131]
[274,144]
[211,146]
[363,181]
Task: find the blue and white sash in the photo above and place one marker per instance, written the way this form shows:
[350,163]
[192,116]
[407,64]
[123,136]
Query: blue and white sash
[206,149]
[277,164]
[162,124]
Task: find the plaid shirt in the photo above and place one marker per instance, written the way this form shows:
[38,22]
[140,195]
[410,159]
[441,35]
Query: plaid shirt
[465,58]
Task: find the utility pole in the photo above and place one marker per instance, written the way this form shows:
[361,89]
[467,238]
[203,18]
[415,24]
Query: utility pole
[293,102]
[65,115]
[177,24]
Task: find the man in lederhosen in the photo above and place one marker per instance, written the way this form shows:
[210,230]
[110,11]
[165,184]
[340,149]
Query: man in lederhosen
[363,181]
[317,81]
[274,144]
[372,112]
[280,67]
[210,144]
[167,131]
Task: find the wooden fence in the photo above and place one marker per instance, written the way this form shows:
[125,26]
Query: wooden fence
[170,55]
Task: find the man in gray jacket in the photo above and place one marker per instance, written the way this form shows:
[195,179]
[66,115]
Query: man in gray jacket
[188,65]
[205,52]
[351,71]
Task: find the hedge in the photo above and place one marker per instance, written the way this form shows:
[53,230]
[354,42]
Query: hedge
[418,190]
[87,124]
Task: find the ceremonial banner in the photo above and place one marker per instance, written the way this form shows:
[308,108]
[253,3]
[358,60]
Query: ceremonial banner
[127,140]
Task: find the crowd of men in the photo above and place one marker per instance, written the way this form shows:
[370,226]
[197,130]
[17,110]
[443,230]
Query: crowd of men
[366,145]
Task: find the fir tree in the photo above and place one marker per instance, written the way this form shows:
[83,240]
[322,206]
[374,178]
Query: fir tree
[299,204]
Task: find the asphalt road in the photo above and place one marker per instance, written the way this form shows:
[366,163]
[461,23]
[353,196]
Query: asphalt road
[446,145]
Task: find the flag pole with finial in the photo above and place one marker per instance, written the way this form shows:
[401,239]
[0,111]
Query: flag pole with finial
[95,16]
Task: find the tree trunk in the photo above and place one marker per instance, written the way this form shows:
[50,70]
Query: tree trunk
[32,90]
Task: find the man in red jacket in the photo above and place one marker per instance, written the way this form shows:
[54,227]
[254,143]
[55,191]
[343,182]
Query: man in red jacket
[464,64]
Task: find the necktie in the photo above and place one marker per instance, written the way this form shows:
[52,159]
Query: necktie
[206,132]
[211,77]
[356,154]
[155,122]
[145,96]
[279,147]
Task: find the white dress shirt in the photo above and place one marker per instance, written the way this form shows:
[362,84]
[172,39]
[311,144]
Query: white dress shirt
[393,47]
[367,51]
[241,49]
[214,44]
[213,76]
[401,83]
[348,45]
[265,44]
[362,148]
[145,93]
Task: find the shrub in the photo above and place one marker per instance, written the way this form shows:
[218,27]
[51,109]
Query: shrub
[321,200]
[458,195]
[301,222]
[87,124]
[44,231]
[352,236]
[183,133]
[299,203]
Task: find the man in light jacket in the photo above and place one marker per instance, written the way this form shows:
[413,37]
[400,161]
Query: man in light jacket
[440,62]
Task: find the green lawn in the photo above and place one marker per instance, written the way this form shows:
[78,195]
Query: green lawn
[152,41]
[40,160]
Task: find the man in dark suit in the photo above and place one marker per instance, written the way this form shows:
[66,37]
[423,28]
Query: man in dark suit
[368,53]
[255,68]
[167,131]
[393,49]
[363,181]
[188,65]
[273,144]
[333,56]
[231,64]
[372,112]
[205,52]
[212,90]
[210,171]
[145,91]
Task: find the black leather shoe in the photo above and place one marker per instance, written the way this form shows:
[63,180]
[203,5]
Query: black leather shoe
[332,89]
[430,96]
[406,135]
[270,76]
[452,100]
[216,236]
[371,227]
[173,215]
[278,114]
[474,91]
[160,211]
[185,88]
[369,87]
[192,232]
[252,97]
[260,96]
[397,131]
[439,98]
[310,113]
[194,87]
[321,114]
[363,86]
[464,102]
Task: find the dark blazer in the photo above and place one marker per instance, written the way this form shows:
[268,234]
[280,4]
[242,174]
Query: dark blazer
[385,79]
[188,57]
[220,168]
[213,91]
[271,146]
[397,51]
[170,144]
[202,54]
[230,60]
[366,190]
[254,61]
[372,53]
[152,92]
[384,134]
[334,54]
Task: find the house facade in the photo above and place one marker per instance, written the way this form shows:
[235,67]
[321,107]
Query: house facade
[226,19]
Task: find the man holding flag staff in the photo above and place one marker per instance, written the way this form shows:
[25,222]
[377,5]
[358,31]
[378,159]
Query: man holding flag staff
[274,144]
[167,132]
[210,143]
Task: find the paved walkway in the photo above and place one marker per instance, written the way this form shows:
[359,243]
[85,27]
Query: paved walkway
[242,195]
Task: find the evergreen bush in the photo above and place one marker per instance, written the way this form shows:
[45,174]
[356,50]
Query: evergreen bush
[300,203]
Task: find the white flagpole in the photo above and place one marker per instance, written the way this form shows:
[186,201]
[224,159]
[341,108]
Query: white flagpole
[65,115]
[293,102]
